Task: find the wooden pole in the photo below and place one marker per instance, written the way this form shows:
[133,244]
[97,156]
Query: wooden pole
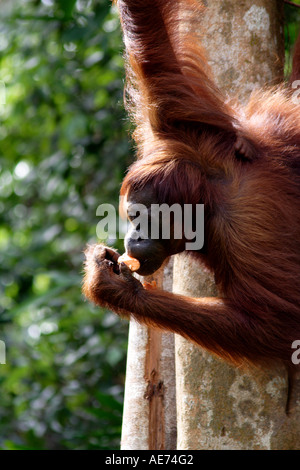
[220,407]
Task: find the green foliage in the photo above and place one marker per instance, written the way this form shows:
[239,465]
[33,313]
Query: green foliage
[63,151]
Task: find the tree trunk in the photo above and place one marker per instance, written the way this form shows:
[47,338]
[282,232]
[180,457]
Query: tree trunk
[218,406]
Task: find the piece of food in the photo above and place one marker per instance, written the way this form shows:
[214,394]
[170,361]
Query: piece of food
[132,263]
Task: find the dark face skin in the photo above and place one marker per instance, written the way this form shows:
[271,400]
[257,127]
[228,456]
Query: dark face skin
[151,253]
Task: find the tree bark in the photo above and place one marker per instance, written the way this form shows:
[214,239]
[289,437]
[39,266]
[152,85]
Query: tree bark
[220,407]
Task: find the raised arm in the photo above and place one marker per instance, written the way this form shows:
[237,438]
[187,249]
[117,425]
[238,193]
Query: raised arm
[168,79]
